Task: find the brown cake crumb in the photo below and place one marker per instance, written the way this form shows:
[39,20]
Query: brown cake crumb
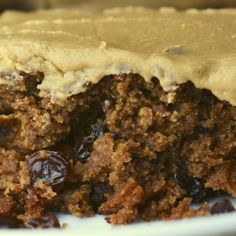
[124,148]
[6,205]
[183,210]
[77,202]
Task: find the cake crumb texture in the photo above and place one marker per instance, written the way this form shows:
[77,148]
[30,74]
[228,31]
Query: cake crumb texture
[125,149]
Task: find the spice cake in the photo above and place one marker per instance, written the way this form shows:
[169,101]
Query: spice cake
[129,113]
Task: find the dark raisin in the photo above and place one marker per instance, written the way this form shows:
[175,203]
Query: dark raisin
[85,149]
[194,187]
[222,206]
[49,167]
[97,194]
[98,129]
[197,191]
[9,222]
[47,221]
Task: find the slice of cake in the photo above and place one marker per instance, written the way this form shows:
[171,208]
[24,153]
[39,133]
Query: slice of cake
[129,113]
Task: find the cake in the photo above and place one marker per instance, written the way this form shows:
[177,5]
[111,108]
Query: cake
[129,113]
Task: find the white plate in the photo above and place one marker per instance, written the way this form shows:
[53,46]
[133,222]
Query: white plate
[217,225]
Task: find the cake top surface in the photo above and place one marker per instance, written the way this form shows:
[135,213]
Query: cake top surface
[73,48]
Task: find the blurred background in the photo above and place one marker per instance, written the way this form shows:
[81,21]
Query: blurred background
[101,4]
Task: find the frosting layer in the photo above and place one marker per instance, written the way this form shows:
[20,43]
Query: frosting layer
[73,48]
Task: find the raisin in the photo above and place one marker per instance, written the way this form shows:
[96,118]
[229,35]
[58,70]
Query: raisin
[222,206]
[97,193]
[9,222]
[98,129]
[49,220]
[194,187]
[86,147]
[49,167]
[197,190]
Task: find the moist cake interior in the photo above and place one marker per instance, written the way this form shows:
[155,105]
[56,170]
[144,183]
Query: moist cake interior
[124,149]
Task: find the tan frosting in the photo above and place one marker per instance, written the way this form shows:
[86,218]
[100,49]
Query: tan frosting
[73,48]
